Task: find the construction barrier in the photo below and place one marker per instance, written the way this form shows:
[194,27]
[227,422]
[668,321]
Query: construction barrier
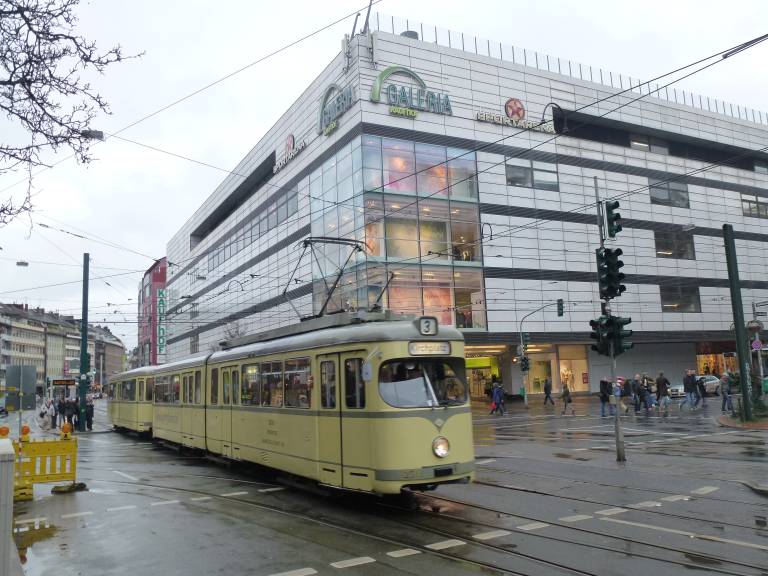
[42,460]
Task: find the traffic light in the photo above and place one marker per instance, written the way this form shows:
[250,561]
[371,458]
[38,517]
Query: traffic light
[525,364]
[560,307]
[619,334]
[612,218]
[609,275]
[525,339]
[601,333]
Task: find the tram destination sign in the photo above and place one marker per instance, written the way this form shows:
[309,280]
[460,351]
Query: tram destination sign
[408,100]
[429,348]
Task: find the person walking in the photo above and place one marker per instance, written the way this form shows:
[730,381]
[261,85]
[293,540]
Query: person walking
[548,391]
[69,411]
[565,396]
[626,393]
[55,412]
[89,412]
[725,392]
[662,393]
[619,405]
[701,391]
[605,396]
[497,399]
[635,386]
[689,389]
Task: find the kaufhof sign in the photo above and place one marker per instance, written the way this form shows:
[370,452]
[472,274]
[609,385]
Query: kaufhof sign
[290,151]
[406,100]
[161,320]
[514,117]
[334,103]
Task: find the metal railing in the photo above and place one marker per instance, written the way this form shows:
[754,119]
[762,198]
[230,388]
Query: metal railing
[540,61]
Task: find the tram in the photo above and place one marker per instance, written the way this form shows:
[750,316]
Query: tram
[373,405]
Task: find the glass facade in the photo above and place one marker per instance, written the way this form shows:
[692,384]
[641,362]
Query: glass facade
[414,208]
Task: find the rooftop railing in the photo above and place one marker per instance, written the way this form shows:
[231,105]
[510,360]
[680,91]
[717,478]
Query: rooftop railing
[510,53]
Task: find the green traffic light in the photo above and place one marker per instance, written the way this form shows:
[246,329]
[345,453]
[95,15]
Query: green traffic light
[612,218]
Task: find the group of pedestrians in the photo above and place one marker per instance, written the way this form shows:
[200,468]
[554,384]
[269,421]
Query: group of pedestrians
[54,413]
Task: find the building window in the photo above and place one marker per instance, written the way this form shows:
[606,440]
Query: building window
[194,344]
[668,193]
[754,206]
[674,244]
[680,298]
[647,144]
[761,166]
[532,174]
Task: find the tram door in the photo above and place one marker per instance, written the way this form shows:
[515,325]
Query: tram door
[329,420]
[355,425]
[213,414]
[230,382]
[186,410]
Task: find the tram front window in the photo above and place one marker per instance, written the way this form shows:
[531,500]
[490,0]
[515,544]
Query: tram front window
[422,383]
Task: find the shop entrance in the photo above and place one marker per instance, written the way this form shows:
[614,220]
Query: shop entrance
[574,369]
[480,371]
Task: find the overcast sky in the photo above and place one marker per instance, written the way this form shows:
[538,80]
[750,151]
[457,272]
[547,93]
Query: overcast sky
[137,198]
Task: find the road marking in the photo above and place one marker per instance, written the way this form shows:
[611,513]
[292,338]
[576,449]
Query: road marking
[299,572]
[124,475]
[403,553]
[491,535]
[243,493]
[576,518]
[646,504]
[442,545]
[164,503]
[611,511]
[75,515]
[599,448]
[704,490]
[353,562]
[533,526]
[119,508]
[200,498]
[32,520]
[263,490]
[486,461]
[675,498]
[688,534]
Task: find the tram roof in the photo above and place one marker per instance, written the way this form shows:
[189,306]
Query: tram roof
[387,331]
[169,367]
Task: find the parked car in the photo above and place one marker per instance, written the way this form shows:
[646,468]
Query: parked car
[711,383]
[676,390]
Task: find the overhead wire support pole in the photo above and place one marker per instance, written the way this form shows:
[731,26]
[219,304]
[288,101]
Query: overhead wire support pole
[606,310]
[84,364]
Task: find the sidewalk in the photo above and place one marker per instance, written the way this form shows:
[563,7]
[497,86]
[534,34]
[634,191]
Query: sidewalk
[731,422]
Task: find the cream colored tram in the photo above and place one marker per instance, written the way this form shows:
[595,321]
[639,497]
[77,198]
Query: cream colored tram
[373,406]
[129,400]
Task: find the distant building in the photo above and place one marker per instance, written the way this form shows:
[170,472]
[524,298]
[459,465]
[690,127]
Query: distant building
[152,302]
[51,342]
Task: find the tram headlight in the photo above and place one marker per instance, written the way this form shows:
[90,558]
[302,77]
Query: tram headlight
[441,447]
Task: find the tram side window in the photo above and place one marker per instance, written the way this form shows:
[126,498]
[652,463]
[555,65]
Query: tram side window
[149,389]
[141,389]
[214,385]
[225,386]
[198,386]
[328,384]
[297,383]
[250,390]
[128,390]
[272,384]
[175,389]
[354,386]
[235,387]
[162,390]
[111,391]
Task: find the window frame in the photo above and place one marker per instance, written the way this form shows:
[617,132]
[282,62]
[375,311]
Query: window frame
[328,389]
[675,239]
[359,398]
[670,291]
[669,188]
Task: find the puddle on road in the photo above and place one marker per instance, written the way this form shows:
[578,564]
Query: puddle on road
[26,535]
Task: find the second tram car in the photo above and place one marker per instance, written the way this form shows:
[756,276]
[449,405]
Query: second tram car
[372,406]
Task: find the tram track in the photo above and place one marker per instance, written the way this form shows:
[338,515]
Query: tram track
[711,560]
[628,506]
[334,524]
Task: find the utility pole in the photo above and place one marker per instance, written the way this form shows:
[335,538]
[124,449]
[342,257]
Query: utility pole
[738,323]
[85,367]
[759,351]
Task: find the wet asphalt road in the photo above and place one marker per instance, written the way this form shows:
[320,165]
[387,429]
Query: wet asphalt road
[550,499]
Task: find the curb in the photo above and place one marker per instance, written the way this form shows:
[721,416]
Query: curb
[728,422]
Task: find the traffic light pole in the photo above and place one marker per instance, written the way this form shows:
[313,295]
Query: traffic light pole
[84,367]
[523,346]
[606,309]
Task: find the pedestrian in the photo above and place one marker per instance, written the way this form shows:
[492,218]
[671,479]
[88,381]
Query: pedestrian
[45,415]
[61,407]
[643,399]
[662,393]
[725,392]
[605,395]
[69,411]
[89,412]
[55,408]
[635,386]
[689,389]
[497,399]
[617,403]
[701,391]
[565,396]
[548,391]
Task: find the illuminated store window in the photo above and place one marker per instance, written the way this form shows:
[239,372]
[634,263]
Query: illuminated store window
[399,165]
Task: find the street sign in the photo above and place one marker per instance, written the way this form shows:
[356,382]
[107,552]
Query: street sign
[23,378]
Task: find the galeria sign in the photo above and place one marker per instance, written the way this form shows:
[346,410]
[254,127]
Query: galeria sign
[334,103]
[407,100]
